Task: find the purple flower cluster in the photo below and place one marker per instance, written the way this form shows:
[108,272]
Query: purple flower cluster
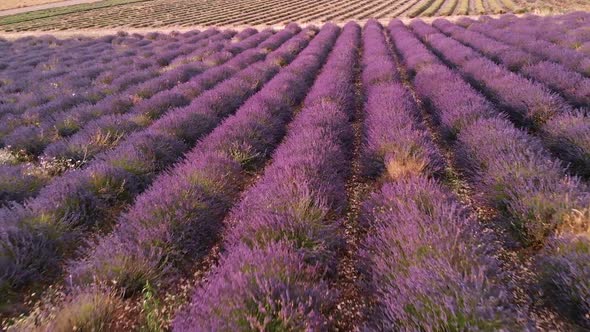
[286,214]
[558,29]
[526,184]
[128,160]
[564,273]
[413,52]
[377,64]
[526,101]
[104,132]
[395,140]
[536,203]
[267,288]
[425,263]
[110,129]
[458,104]
[16,184]
[90,198]
[540,200]
[421,260]
[33,62]
[183,210]
[39,123]
[574,86]
[510,56]
[534,44]
[41,117]
[568,137]
[120,115]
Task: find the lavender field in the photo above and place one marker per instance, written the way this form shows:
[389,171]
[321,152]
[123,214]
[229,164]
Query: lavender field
[383,176]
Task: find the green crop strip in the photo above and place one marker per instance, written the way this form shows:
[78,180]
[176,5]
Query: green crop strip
[46,13]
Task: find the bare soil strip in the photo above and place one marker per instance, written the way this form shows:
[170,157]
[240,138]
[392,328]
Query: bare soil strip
[353,302]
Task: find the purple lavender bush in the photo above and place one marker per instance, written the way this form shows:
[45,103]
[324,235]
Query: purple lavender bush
[294,217]
[86,199]
[183,210]
[267,288]
[526,183]
[425,264]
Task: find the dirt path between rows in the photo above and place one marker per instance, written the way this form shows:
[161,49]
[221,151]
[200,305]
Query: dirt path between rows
[65,3]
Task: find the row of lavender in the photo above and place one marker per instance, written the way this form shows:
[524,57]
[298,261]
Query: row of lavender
[78,132]
[282,239]
[426,260]
[38,106]
[94,89]
[405,278]
[211,175]
[530,102]
[567,31]
[37,235]
[48,130]
[426,263]
[62,69]
[545,205]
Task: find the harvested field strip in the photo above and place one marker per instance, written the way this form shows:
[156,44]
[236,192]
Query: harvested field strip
[322,15]
[509,5]
[243,18]
[302,15]
[376,10]
[448,8]
[462,8]
[293,15]
[162,13]
[434,7]
[361,10]
[476,7]
[420,7]
[402,8]
[64,11]
[495,6]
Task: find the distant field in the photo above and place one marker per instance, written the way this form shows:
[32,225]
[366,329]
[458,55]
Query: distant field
[179,13]
[60,13]
[162,13]
[11,4]
[552,6]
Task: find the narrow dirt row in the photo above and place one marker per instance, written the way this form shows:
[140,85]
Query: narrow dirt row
[353,303]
